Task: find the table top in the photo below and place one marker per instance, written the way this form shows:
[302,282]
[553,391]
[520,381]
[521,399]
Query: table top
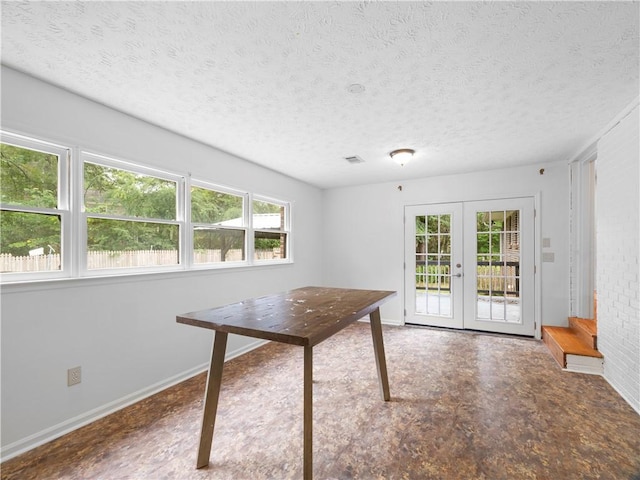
[304,316]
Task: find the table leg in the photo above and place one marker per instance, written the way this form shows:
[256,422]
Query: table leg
[378,348]
[308,414]
[212,394]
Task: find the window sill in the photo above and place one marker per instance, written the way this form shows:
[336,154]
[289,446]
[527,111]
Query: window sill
[8,287]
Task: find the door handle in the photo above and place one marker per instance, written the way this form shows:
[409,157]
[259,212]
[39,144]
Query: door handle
[458,275]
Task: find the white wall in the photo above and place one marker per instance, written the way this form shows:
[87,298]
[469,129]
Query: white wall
[364,231]
[122,331]
[617,225]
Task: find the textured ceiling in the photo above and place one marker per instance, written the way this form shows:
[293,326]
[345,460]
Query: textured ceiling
[468,85]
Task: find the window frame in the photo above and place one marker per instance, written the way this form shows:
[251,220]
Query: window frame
[138,169]
[73,217]
[192,225]
[286,230]
[62,209]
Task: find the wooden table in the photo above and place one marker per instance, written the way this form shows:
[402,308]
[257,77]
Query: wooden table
[305,316]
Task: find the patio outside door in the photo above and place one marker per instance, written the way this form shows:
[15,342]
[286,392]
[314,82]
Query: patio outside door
[433,265]
[470,265]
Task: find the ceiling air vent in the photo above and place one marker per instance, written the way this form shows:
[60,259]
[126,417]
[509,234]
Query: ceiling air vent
[354,159]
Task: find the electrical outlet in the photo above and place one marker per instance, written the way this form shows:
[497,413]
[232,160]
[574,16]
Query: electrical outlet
[74,376]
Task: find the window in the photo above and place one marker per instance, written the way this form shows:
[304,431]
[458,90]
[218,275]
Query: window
[270,229]
[218,223]
[131,215]
[69,213]
[34,216]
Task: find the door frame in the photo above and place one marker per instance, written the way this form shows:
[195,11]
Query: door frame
[537,251]
[455,210]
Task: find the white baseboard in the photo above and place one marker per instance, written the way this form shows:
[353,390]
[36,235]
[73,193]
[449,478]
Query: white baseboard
[40,438]
[598,369]
[241,351]
[624,397]
[384,321]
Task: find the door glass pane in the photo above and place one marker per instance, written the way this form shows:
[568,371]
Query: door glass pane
[483,244]
[497,221]
[496,243]
[445,243]
[498,266]
[482,222]
[433,265]
[421,265]
[445,223]
[433,304]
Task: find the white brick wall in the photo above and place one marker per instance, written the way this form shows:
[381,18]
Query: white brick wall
[618,248]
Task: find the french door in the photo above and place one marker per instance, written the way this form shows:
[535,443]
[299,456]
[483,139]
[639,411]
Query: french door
[470,265]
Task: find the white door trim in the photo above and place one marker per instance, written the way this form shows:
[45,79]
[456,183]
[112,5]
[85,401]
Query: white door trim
[501,312]
[536,249]
[452,316]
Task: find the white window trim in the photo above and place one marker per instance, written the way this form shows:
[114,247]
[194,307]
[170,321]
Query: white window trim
[245,225]
[103,160]
[74,218]
[62,210]
[287,230]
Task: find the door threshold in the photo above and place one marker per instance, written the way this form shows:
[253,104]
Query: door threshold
[469,331]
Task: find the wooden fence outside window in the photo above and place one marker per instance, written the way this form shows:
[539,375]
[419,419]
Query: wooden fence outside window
[124,259]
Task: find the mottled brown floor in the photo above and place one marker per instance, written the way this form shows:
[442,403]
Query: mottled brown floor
[464,406]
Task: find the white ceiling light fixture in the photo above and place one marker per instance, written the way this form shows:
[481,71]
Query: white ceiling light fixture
[402,155]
